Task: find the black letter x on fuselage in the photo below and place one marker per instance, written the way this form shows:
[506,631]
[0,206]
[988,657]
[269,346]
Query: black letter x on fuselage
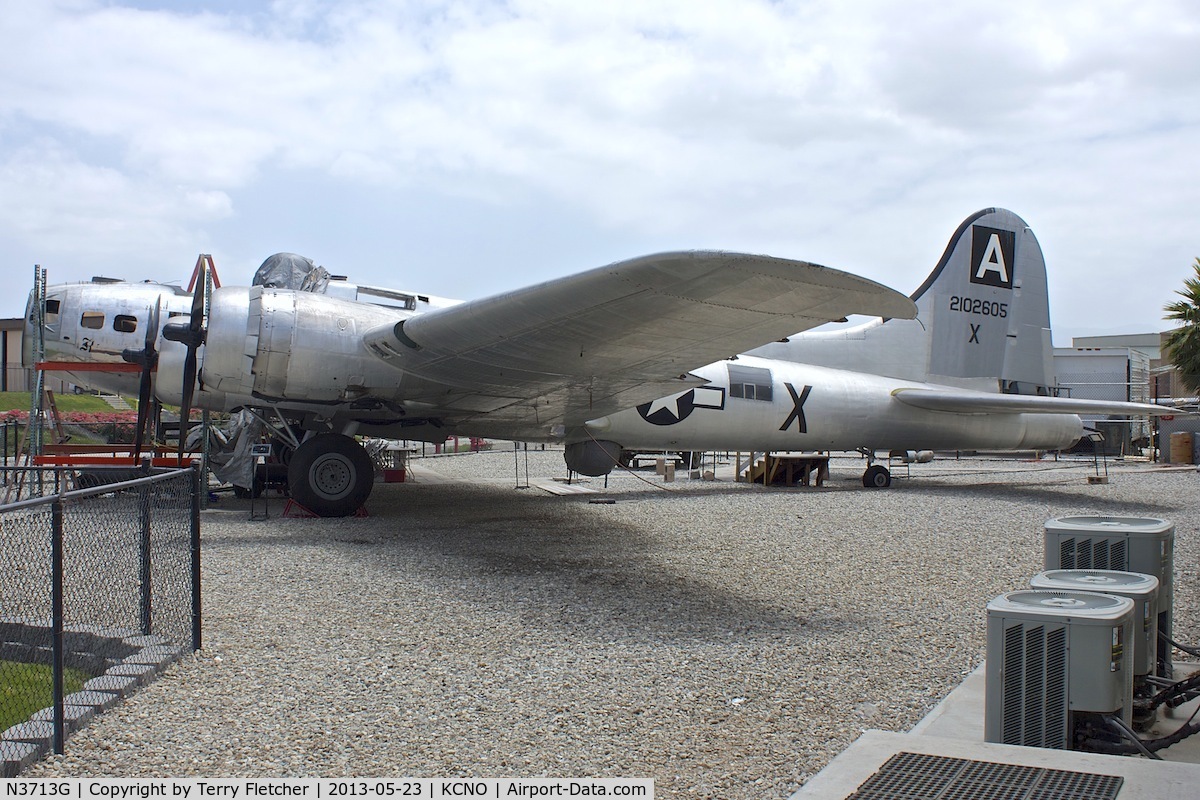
[797,409]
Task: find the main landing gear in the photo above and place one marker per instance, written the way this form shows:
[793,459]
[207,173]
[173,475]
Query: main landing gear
[877,477]
[330,475]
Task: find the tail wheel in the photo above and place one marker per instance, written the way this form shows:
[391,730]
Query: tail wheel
[877,477]
[331,475]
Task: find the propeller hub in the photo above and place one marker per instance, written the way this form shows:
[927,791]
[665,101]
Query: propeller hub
[183,333]
[146,359]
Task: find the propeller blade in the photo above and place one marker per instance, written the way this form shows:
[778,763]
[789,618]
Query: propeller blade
[185,409]
[196,321]
[143,413]
[149,360]
[195,338]
[152,325]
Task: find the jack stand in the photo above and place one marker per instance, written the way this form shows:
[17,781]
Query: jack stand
[255,514]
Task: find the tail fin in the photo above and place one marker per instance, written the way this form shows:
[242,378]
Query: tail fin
[987,306]
[983,318]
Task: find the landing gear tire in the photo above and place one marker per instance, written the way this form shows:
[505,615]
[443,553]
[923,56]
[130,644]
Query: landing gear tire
[330,475]
[877,477]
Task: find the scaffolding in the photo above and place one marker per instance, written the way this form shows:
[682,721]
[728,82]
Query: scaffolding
[30,446]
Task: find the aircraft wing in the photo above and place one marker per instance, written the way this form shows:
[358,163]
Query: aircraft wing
[594,343]
[968,402]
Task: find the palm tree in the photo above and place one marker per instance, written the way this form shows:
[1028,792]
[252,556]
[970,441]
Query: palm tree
[1183,343]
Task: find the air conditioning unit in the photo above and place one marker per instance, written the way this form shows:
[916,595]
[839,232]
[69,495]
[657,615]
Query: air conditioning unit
[1054,658]
[1141,589]
[1127,544]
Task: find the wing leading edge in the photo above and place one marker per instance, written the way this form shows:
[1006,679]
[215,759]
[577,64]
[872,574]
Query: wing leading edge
[593,343]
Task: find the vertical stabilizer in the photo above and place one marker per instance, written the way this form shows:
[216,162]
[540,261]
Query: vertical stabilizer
[987,307]
[983,318]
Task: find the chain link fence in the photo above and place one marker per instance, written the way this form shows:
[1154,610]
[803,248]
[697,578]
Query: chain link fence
[99,587]
[10,435]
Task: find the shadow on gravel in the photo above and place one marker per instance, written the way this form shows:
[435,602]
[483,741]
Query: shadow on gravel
[562,565]
[1069,496]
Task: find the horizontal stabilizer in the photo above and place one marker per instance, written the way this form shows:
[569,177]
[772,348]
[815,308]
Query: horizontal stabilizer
[965,402]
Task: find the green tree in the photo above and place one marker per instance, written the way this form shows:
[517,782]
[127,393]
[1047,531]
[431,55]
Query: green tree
[1183,343]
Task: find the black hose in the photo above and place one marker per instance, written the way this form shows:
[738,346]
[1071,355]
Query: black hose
[1191,651]
[1146,747]
[1178,736]
[1182,691]
[1118,724]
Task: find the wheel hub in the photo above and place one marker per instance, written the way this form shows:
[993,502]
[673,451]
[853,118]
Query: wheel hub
[332,476]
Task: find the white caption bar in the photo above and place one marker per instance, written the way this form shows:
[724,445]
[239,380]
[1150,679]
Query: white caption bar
[324,788]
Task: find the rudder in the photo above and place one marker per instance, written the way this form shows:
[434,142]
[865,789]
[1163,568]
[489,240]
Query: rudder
[986,306]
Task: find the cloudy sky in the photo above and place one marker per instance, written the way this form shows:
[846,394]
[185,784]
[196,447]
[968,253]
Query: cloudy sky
[465,148]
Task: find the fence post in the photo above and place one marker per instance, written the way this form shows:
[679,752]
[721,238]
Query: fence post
[144,571]
[198,486]
[56,621]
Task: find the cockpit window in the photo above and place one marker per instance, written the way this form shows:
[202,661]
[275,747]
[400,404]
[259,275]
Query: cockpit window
[750,383]
[92,319]
[52,306]
[123,323]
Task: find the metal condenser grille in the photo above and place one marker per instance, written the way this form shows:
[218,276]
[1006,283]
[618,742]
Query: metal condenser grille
[915,776]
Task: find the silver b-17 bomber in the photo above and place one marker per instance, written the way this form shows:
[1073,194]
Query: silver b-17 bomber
[637,354]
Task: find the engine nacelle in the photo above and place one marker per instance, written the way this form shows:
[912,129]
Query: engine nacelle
[592,458]
[283,344]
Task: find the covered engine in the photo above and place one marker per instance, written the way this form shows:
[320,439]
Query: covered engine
[592,458]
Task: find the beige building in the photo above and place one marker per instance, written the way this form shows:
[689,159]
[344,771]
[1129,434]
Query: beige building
[1163,376]
[15,378]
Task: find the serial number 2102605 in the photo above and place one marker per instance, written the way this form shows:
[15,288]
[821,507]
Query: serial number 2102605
[973,305]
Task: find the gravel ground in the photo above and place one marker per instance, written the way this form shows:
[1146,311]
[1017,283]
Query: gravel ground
[726,640]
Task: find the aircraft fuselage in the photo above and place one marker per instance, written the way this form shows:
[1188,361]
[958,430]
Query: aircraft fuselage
[769,405]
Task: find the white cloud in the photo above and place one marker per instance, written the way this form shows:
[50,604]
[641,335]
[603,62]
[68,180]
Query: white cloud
[792,127]
[56,204]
